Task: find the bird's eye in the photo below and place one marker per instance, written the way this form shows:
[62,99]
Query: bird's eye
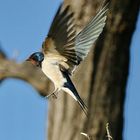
[35,58]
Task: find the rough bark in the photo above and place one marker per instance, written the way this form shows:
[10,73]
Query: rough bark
[100,80]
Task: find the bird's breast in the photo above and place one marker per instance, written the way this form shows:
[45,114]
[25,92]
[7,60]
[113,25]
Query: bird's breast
[52,71]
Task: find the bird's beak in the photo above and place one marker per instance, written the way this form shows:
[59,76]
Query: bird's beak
[28,59]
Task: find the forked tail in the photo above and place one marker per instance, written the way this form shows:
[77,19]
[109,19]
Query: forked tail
[70,88]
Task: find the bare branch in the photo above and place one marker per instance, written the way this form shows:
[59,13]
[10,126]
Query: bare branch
[86,135]
[108,133]
[25,71]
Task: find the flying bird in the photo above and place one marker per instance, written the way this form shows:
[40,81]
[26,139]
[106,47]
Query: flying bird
[63,49]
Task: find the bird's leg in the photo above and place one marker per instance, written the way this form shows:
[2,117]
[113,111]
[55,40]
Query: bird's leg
[53,94]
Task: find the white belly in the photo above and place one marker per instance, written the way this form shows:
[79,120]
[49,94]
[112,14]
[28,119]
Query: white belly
[52,71]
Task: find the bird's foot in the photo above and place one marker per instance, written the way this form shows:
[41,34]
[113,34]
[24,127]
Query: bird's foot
[52,95]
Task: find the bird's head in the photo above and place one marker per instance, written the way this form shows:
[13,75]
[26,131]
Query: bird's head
[36,58]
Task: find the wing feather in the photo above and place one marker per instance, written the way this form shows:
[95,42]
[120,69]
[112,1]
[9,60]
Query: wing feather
[62,33]
[62,40]
[90,33]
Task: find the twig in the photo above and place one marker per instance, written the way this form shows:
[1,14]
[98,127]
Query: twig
[86,135]
[108,133]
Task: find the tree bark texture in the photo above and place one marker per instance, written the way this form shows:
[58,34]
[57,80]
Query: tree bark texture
[100,80]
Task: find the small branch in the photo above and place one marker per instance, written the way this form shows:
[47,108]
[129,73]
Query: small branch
[109,137]
[86,135]
[108,133]
[25,71]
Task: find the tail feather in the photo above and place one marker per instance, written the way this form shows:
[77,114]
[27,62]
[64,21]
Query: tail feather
[70,88]
[83,107]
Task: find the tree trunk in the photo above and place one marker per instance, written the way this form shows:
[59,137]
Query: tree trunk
[100,80]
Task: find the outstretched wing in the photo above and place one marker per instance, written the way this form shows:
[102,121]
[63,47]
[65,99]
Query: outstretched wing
[62,43]
[86,38]
[61,37]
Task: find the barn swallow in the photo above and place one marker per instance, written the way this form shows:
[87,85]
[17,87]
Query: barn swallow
[63,50]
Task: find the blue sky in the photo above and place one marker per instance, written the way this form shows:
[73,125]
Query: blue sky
[23,27]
